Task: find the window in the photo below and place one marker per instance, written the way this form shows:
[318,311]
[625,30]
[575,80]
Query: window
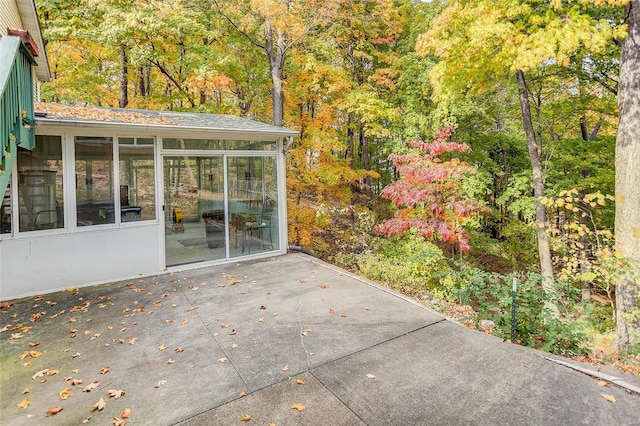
[94,180]
[137,179]
[40,197]
[210,144]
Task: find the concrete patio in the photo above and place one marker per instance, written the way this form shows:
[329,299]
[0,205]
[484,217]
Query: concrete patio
[288,340]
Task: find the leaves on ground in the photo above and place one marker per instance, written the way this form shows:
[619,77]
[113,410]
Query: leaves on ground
[126,413]
[371,376]
[115,394]
[65,393]
[160,383]
[609,398]
[300,382]
[243,393]
[91,386]
[24,403]
[104,370]
[285,368]
[53,411]
[245,418]
[297,406]
[99,405]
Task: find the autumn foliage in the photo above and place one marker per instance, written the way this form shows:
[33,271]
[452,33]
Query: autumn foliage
[428,196]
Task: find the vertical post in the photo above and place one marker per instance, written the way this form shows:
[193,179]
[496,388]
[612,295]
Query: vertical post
[514,290]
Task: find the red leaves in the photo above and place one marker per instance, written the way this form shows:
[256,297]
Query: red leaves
[428,194]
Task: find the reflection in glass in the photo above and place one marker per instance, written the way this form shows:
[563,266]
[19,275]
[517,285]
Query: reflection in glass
[40,185]
[94,180]
[137,179]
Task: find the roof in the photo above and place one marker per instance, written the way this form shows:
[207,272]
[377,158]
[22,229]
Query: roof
[29,17]
[58,114]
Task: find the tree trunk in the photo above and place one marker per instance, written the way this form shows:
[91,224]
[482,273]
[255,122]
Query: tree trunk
[124,81]
[366,159]
[546,266]
[627,226]
[277,56]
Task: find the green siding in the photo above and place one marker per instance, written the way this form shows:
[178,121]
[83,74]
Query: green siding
[16,104]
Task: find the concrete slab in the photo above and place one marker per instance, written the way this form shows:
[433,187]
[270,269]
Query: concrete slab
[184,347]
[273,405]
[445,374]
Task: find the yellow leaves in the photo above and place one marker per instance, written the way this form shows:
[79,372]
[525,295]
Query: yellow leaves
[285,368]
[133,340]
[65,393]
[24,403]
[371,376]
[300,382]
[163,347]
[297,406]
[32,354]
[609,398]
[245,418]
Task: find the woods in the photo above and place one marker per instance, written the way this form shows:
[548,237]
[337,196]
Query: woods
[538,102]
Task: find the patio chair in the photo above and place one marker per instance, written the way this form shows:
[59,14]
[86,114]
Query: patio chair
[261,223]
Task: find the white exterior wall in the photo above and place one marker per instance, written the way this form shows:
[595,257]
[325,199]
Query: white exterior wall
[45,263]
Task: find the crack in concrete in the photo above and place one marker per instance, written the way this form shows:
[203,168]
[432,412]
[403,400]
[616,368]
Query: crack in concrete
[304,346]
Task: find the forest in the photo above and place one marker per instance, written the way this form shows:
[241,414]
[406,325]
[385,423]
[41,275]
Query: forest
[446,149]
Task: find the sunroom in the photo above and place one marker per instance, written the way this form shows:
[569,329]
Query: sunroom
[114,194]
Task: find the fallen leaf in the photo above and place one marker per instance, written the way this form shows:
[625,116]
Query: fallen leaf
[297,406]
[160,383]
[324,286]
[91,386]
[332,311]
[300,382]
[609,398]
[285,368]
[602,383]
[115,394]
[234,346]
[163,347]
[40,373]
[118,422]
[52,372]
[233,332]
[26,390]
[222,359]
[86,420]
[126,413]
[104,370]
[24,403]
[170,361]
[246,418]
[260,319]
[27,364]
[184,321]
[16,336]
[225,325]
[366,308]
[263,307]
[343,315]
[371,376]
[306,332]
[65,393]
[99,405]
[76,382]
[76,355]
[179,349]
[133,340]
[243,393]
[53,411]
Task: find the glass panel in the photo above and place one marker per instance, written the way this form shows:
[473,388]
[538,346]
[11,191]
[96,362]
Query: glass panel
[253,210]
[209,144]
[137,179]
[40,185]
[5,212]
[194,209]
[94,180]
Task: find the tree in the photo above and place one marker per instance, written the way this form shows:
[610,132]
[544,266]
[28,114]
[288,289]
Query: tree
[428,196]
[627,228]
[513,37]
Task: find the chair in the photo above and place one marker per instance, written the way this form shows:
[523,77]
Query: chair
[260,223]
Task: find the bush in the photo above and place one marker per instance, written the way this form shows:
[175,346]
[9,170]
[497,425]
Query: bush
[409,264]
[491,295]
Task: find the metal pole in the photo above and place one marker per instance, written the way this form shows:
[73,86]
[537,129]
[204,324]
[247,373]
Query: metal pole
[514,290]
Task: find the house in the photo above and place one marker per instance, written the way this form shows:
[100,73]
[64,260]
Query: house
[94,195]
